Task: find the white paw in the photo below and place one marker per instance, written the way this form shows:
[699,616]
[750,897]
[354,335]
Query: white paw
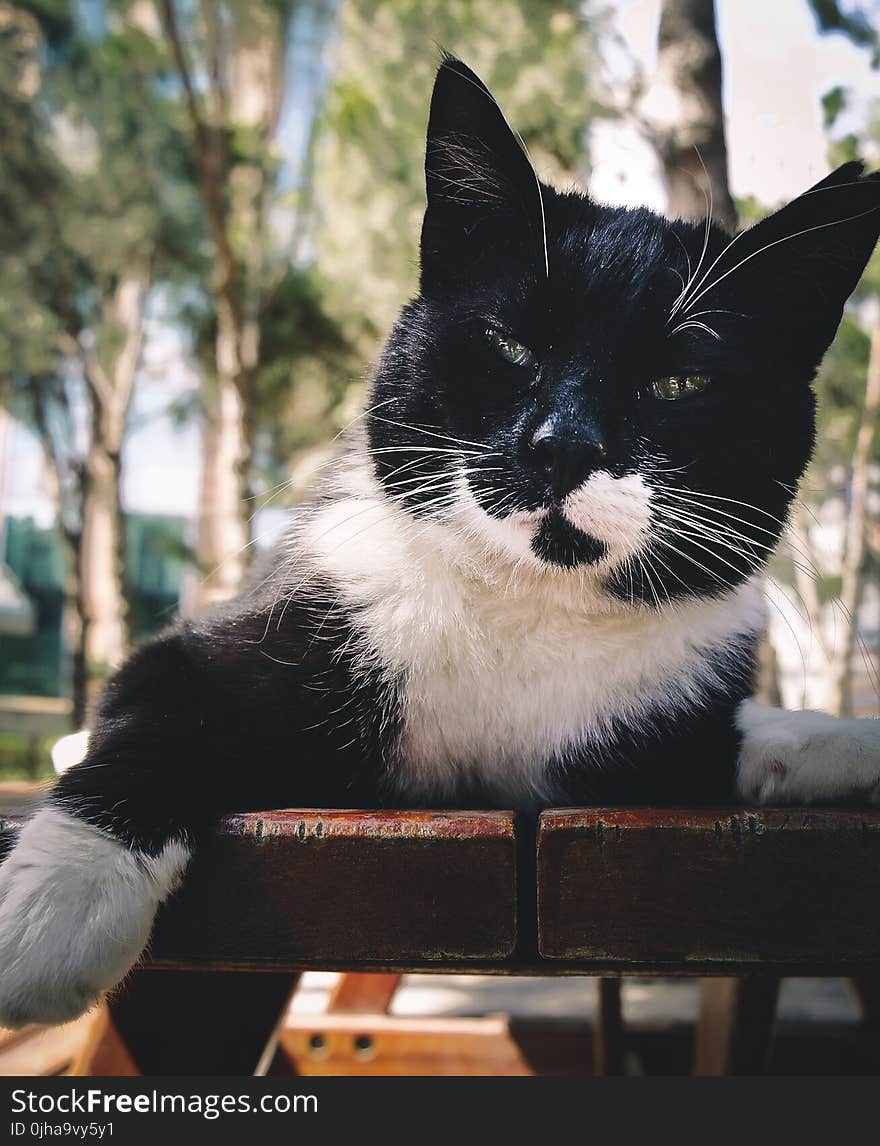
[76,910]
[806,757]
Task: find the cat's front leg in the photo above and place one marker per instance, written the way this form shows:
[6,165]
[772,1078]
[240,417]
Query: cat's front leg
[806,757]
[81,886]
[76,910]
[190,728]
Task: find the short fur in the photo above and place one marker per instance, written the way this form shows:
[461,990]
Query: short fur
[530,576]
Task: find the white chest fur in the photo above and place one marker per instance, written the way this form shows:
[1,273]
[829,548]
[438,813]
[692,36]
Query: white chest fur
[499,667]
[508,684]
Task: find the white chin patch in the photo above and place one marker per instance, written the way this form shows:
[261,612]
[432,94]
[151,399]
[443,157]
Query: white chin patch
[511,534]
[514,532]
[616,511]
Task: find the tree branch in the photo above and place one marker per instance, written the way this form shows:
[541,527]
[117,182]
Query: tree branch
[129,303]
[210,163]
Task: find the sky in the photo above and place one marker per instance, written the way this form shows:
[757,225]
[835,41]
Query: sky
[776,69]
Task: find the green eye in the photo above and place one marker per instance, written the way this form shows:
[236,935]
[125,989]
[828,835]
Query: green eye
[679,386]
[510,350]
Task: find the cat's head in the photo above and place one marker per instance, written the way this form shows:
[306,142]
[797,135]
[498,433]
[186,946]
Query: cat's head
[590,387]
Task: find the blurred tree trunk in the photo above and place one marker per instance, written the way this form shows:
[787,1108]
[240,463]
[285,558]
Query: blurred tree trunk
[243,66]
[222,529]
[89,494]
[684,110]
[103,565]
[104,352]
[69,481]
[856,536]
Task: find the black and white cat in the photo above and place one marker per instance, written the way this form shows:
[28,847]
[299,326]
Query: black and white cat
[531,577]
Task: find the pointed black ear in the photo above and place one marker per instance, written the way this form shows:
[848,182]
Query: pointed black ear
[796,268]
[482,189]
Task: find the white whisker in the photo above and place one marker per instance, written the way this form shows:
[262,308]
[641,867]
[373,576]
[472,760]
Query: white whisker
[794,235]
[709,205]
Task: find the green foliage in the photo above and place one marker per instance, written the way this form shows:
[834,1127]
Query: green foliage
[840,385]
[831,16]
[834,101]
[129,195]
[749,211]
[24,759]
[537,57]
[305,362]
[840,389]
[30,182]
[95,184]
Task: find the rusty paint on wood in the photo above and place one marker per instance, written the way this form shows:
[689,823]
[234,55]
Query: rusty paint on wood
[344,887]
[704,886]
[386,825]
[738,821]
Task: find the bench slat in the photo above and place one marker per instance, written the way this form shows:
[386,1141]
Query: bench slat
[628,891]
[299,887]
[697,888]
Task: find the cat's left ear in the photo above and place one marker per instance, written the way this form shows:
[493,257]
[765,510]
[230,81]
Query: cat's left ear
[484,197]
[797,267]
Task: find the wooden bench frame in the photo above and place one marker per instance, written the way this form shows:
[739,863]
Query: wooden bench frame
[742,895]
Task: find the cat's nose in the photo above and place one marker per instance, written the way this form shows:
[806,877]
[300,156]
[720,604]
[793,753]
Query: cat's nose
[567,453]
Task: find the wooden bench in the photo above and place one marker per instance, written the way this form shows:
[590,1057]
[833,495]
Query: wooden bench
[739,897]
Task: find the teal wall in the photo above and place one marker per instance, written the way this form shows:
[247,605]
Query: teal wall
[35,665]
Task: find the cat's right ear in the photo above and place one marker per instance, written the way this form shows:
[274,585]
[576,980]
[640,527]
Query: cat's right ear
[795,268]
[484,197]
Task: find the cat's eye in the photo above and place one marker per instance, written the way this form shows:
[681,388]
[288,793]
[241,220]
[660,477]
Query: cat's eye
[510,350]
[679,386]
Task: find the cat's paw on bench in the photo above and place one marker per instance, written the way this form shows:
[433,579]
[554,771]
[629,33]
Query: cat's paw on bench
[806,757]
[76,910]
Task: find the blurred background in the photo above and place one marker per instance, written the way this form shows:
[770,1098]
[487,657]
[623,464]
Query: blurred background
[209,217]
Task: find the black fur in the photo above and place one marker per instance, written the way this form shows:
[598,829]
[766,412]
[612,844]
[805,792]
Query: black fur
[258,705]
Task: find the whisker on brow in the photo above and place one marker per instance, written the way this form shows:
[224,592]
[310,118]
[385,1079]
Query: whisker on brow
[767,246]
[709,208]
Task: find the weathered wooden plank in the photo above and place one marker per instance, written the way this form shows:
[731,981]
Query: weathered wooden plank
[697,888]
[306,887]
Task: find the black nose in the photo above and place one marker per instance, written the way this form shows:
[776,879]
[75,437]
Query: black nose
[567,454]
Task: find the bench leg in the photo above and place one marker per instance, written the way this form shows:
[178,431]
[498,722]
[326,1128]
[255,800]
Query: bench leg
[103,1053]
[190,1022]
[735,1024]
[363,993]
[866,989]
[608,1033]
